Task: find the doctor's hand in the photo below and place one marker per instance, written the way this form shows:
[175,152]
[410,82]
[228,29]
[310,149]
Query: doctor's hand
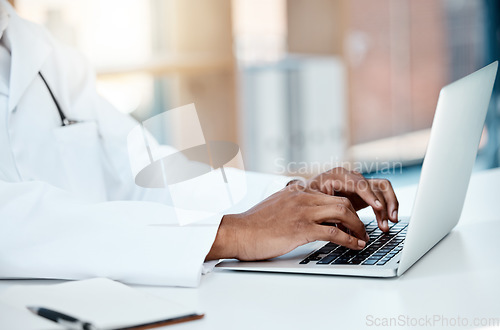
[377,193]
[294,216]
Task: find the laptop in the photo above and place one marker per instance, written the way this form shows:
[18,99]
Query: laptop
[451,152]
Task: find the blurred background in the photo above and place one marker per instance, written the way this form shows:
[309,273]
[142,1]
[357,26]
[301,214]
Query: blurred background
[300,85]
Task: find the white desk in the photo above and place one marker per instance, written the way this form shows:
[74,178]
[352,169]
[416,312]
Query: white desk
[459,278]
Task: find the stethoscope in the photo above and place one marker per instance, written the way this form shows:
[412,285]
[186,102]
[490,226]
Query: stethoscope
[64,121]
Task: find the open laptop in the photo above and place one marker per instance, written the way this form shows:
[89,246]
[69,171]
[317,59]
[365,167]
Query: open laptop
[450,156]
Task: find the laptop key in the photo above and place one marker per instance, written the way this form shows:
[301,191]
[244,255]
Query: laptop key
[350,254]
[314,257]
[325,250]
[357,260]
[341,260]
[332,245]
[381,248]
[326,260]
[369,262]
[376,258]
[342,249]
[336,253]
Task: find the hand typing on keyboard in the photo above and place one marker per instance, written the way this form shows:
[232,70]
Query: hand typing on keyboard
[361,192]
[287,219]
[323,209]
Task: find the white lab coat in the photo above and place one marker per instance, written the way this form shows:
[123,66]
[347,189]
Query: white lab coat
[69,208]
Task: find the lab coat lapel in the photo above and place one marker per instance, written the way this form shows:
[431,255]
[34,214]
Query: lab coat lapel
[29,51]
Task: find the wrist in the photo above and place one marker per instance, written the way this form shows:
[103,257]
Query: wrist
[225,245]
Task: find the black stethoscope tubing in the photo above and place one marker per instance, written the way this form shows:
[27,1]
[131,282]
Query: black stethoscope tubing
[64,121]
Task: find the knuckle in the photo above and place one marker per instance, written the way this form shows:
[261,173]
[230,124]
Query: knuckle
[342,210]
[290,189]
[384,184]
[356,172]
[333,231]
[344,201]
[362,184]
[338,169]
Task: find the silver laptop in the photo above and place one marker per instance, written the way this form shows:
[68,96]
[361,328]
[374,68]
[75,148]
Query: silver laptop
[450,156]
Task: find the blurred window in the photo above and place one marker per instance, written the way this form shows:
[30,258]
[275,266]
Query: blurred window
[352,80]
[114,35]
[397,55]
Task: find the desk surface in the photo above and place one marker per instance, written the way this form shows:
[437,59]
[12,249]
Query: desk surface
[457,282]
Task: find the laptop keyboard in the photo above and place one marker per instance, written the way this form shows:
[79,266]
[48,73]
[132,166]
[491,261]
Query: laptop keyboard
[381,248]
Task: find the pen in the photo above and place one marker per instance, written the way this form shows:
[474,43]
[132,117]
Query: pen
[69,322]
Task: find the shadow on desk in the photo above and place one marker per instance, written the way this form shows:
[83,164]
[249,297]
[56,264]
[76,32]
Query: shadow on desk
[466,249]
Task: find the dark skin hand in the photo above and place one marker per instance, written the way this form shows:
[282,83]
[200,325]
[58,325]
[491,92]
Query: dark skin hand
[323,208]
[361,192]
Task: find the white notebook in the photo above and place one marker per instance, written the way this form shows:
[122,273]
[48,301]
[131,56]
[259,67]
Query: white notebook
[104,303]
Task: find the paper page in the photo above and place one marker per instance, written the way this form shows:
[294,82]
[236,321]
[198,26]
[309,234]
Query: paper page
[103,302]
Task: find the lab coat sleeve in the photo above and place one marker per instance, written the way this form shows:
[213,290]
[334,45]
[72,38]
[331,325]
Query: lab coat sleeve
[130,241]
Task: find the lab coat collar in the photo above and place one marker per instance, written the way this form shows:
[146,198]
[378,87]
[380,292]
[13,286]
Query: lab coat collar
[28,53]
[4,18]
